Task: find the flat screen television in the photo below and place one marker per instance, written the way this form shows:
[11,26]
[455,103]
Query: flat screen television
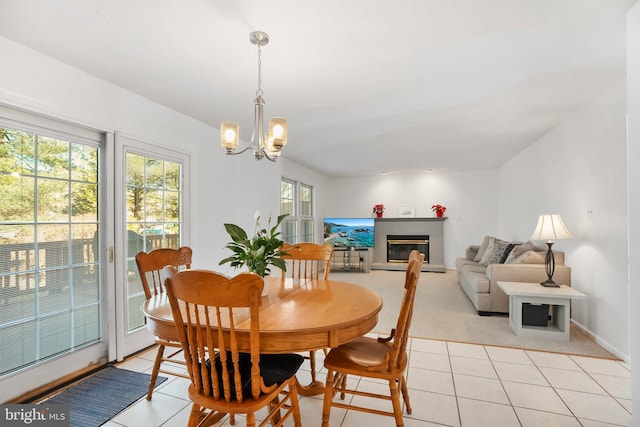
[349,232]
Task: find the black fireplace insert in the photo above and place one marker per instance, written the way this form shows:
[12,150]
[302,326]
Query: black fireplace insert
[400,246]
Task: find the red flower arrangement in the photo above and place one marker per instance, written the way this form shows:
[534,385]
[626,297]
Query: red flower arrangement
[378,209]
[439,210]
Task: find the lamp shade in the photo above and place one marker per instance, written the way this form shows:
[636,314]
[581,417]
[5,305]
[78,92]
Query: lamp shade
[551,227]
[278,132]
[229,135]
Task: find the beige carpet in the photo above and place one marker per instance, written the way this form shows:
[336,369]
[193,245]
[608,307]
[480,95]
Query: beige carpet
[443,311]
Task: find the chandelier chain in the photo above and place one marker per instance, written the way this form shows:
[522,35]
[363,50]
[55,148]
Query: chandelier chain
[259,91]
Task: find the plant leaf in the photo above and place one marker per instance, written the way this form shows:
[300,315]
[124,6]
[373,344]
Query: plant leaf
[237,233]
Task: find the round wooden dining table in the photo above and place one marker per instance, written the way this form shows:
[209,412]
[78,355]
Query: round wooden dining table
[296,316]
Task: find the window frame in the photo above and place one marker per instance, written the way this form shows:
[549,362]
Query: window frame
[296,219]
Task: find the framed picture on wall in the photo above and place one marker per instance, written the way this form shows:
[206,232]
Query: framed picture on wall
[407,212]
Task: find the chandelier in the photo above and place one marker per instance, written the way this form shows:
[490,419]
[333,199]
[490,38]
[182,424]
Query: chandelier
[268,144]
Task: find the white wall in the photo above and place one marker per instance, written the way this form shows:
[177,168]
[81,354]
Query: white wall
[223,188]
[470,198]
[633,108]
[579,170]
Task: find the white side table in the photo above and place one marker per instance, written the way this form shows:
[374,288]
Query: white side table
[534,293]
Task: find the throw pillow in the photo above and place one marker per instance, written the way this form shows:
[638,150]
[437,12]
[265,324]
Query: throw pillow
[507,252]
[530,257]
[483,249]
[495,253]
[519,250]
[487,251]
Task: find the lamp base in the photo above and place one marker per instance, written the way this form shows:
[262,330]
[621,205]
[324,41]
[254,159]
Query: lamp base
[549,284]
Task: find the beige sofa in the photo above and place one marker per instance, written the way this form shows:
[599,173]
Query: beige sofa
[523,263]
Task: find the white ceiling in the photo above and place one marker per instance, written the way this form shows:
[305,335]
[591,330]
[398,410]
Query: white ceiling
[366,86]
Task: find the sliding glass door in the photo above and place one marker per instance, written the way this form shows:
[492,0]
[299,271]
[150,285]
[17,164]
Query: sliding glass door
[52,298]
[70,227]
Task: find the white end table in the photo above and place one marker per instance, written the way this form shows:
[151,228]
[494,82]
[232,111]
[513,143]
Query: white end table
[534,293]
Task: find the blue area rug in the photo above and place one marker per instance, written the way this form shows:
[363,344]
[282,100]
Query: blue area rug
[97,399]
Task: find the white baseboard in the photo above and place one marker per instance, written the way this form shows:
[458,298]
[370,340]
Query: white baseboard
[603,343]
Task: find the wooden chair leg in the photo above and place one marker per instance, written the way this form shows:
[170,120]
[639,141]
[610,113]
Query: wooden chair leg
[343,385]
[395,400]
[405,394]
[154,372]
[312,362]
[251,419]
[295,403]
[277,416]
[328,397]
[195,416]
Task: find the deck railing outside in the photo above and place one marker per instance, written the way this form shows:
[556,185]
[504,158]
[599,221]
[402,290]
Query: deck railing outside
[19,272]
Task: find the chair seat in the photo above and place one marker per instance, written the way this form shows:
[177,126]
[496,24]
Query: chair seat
[362,355]
[274,368]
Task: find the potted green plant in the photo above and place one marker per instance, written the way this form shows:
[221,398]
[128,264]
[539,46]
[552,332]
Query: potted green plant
[259,252]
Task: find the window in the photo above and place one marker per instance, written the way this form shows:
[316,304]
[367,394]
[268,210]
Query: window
[49,231]
[153,218]
[296,200]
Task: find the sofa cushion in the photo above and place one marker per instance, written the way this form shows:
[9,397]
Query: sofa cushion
[482,249]
[519,250]
[530,257]
[494,252]
[462,262]
[477,282]
[474,267]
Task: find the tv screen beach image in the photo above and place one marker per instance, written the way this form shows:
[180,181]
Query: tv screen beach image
[349,232]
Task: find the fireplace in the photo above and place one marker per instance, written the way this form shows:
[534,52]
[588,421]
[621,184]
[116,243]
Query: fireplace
[399,246]
[429,229]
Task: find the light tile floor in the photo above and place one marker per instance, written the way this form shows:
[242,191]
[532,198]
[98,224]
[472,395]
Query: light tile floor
[450,384]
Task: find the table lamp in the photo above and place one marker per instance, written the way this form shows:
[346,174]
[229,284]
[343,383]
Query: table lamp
[549,228]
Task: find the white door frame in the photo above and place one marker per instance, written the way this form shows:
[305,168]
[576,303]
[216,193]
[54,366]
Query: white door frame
[128,342]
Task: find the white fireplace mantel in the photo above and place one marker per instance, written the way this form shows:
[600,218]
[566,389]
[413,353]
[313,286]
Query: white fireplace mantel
[434,227]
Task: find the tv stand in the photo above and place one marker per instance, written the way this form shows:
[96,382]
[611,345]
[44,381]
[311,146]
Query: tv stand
[351,259]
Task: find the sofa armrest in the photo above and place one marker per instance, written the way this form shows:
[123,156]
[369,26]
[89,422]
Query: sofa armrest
[525,273]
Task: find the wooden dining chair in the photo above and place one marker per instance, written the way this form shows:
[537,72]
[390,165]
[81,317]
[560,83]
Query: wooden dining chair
[382,358]
[308,261]
[212,313]
[150,265]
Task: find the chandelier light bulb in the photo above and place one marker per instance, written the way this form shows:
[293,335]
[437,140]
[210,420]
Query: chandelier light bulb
[229,135]
[278,131]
